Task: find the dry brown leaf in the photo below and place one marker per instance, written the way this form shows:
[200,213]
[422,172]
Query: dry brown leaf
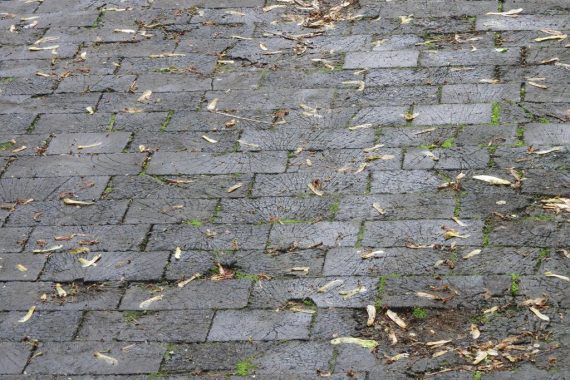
[315,190]
[451,233]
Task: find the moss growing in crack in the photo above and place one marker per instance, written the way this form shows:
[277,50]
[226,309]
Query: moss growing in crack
[496,114]
[193,222]
[448,143]
[477,375]
[166,121]
[247,276]
[487,228]
[540,218]
[333,208]
[520,137]
[360,236]
[245,367]
[515,284]
[419,313]
[112,121]
[132,317]
[7,145]
[543,253]
[457,208]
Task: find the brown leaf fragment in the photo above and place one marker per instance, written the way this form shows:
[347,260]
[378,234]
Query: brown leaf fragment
[475,333]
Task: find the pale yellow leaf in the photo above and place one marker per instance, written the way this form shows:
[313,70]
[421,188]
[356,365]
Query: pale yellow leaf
[366,343]
[148,302]
[88,263]
[233,188]
[371,311]
[73,202]
[106,358]
[492,180]
[539,314]
[396,319]
[28,315]
[329,285]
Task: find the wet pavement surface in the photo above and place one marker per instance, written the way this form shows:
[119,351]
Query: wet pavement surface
[284,189]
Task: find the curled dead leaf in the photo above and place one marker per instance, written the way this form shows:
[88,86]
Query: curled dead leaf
[148,302]
[396,319]
[28,315]
[371,311]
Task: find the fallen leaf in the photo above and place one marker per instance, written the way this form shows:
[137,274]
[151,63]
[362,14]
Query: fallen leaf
[408,116]
[471,254]
[427,295]
[481,355]
[48,250]
[315,190]
[511,13]
[437,343]
[439,353]
[365,343]
[128,31]
[377,207]
[539,314]
[90,110]
[183,283]
[89,146]
[346,294]
[397,357]
[262,47]
[145,96]
[491,310]
[534,84]
[371,255]
[28,315]
[451,233]
[475,333]
[107,359]
[540,301]
[396,319]
[88,263]
[148,302]
[492,180]
[177,253]
[60,290]
[456,219]
[35,48]
[79,250]
[358,83]
[73,202]
[211,141]
[233,188]
[373,148]
[550,274]
[212,105]
[21,268]
[371,311]
[406,19]
[546,151]
[360,126]
[300,269]
[559,37]
[329,285]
